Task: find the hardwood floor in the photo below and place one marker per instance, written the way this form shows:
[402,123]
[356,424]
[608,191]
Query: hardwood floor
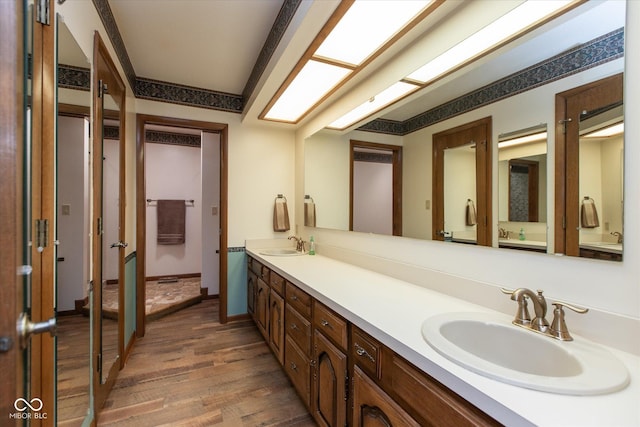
[189,370]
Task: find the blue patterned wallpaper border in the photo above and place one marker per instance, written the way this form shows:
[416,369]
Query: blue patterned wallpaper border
[588,55]
[287,11]
[236,249]
[71,77]
[187,95]
[109,22]
[172,138]
[192,96]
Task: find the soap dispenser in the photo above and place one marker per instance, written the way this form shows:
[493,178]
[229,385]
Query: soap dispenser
[521,236]
[312,246]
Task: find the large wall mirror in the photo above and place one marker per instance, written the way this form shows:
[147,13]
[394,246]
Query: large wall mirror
[72,227]
[515,86]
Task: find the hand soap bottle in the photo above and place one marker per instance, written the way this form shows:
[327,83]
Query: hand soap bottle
[521,236]
[312,246]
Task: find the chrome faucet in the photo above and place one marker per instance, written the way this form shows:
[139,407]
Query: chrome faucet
[299,243]
[618,235]
[558,328]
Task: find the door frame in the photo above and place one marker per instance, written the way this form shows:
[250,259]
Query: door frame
[397,180]
[569,105]
[12,125]
[141,210]
[447,139]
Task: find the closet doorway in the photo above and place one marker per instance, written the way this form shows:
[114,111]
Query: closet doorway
[181,165]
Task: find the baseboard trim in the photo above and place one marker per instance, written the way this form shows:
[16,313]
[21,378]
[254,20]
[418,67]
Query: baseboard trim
[177,276]
[238,317]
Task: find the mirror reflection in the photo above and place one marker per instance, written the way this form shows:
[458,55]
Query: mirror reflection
[110,237]
[522,189]
[601,182]
[72,228]
[515,87]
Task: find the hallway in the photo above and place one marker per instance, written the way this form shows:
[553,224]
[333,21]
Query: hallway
[191,370]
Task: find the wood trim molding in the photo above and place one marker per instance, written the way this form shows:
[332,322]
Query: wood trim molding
[222,129]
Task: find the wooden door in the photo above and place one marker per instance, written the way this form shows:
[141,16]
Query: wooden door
[477,136]
[329,385]
[372,407]
[276,325]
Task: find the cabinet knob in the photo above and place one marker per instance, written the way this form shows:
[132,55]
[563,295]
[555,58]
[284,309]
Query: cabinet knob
[294,366]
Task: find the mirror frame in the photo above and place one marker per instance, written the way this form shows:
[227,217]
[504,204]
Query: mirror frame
[105,72]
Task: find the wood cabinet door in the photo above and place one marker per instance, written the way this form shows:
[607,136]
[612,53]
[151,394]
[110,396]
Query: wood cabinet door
[329,389]
[276,325]
[262,308]
[372,407]
[251,293]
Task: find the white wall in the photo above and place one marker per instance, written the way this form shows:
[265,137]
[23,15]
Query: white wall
[373,197]
[210,161]
[72,228]
[173,172]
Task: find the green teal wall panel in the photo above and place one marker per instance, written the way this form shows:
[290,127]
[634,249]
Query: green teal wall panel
[129,297]
[236,282]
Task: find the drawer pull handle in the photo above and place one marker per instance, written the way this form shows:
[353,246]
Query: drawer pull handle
[294,326]
[294,298]
[294,366]
[324,322]
[362,352]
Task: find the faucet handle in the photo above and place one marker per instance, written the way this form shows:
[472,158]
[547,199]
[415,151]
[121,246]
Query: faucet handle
[558,327]
[522,315]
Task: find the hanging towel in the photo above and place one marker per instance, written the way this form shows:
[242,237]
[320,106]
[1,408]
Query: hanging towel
[589,214]
[471,216]
[309,212]
[280,214]
[171,222]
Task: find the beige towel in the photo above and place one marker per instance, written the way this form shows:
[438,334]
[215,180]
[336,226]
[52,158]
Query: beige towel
[171,222]
[309,214]
[280,215]
[471,216]
[589,214]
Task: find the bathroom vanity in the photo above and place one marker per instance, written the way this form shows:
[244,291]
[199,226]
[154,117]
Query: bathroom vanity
[350,341]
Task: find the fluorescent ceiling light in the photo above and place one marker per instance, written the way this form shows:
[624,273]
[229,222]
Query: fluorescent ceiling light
[493,34]
[381,100]
[607,132]
[523,140]
[366,26]
[309,86]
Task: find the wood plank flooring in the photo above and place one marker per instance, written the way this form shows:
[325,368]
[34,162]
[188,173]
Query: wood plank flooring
[189,370]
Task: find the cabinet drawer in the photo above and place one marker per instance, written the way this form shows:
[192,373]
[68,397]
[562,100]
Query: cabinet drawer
[331,324]
[366,352]
[276,282]
[298,329]
[299,299]
[298,367]
[432,402]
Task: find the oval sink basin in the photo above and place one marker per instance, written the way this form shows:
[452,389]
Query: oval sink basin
[490,345]
[281,252]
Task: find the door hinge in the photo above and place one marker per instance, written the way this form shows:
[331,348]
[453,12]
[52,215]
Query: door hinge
[100,226]
[564,124]
[98,362]
[564,222]
[42,233]
[101,88]
[346,386]
[42,12]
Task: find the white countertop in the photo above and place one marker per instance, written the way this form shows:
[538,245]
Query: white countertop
[393,311]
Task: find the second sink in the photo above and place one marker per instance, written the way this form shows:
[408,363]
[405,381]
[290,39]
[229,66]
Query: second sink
[491,346]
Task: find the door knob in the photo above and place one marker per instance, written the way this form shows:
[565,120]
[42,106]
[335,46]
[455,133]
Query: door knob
[119,244]
[26,328]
